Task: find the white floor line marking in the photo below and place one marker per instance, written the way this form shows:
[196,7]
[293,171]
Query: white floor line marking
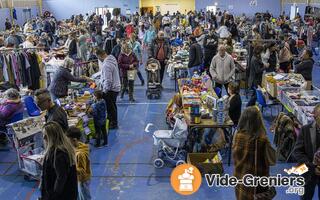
[144,103]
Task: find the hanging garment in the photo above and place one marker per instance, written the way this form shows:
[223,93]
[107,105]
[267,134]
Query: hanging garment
[34,72]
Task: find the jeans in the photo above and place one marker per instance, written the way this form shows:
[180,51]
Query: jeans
[110,98]
[253,98]
[125,85]
[101,132]
[84,191]
[162,69]
[192,70]
[220,86]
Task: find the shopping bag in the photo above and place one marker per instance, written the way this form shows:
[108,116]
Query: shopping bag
[131,74]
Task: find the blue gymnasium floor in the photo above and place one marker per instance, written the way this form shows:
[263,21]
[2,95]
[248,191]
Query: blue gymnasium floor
[124,170]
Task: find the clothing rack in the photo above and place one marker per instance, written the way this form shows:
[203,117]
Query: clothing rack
[19,49]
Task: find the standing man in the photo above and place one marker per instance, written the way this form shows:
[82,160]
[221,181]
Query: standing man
[307,144]
[108,15]
[195,56]
[160,50]
[222,68]
[53,111]
[110,84]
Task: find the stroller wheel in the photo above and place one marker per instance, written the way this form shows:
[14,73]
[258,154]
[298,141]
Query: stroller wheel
[158,163]
[180,162]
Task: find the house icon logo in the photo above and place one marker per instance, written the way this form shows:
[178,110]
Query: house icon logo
[186,179]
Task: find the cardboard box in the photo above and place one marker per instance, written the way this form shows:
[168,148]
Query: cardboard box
[198,159]
[272,89]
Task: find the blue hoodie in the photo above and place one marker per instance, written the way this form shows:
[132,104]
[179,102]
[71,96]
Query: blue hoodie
[149,36]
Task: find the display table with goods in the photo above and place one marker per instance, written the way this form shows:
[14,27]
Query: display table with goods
[202,109]
[301,103]
[276,83]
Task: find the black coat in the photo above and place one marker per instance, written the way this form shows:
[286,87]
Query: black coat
[305,149]
[256,72]
[73,48]
[195,55]
[59,179]
[305,68]
[210,45]
[235,105]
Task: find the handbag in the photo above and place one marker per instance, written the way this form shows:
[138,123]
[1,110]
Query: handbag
[271,192]
[131,74]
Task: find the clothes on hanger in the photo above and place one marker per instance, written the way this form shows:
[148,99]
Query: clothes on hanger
[20,68]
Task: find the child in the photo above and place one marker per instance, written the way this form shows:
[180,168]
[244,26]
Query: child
[82,163]
[98,110]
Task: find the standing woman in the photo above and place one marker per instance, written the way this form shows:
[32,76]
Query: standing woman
[256,72]
[59,178]
[83,45]
[251,140]
[285,55]
[127,61]
[137,50]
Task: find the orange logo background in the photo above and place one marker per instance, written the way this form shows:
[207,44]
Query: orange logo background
[185,189]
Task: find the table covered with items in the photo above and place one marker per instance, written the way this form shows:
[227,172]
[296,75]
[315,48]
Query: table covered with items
[276,83]
[205,115]
[301,103]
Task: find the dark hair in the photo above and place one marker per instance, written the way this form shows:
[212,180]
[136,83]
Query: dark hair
[100,52]
[73,132]
[309,52]
[234,87]
[98,94]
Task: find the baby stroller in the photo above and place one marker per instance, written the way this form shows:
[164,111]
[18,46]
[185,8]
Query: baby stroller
[169,145]
[153,76]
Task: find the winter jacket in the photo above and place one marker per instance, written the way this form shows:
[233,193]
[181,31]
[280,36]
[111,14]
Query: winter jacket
[61,80]
[59,179]
[155,47]
[305,68]
[8,110]
[137,50]
[285,54]
[210,45]
[222,70]
[83,162]
[149,36]
[125,61]
[57,114]
[243,151]
[99,112]
[129,30]
[110,79]
[195,55]
[256,72]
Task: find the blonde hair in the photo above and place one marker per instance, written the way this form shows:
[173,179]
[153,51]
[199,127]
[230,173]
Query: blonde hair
[57,140]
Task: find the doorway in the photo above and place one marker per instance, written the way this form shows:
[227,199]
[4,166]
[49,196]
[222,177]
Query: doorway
[102,11]
[144,10]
